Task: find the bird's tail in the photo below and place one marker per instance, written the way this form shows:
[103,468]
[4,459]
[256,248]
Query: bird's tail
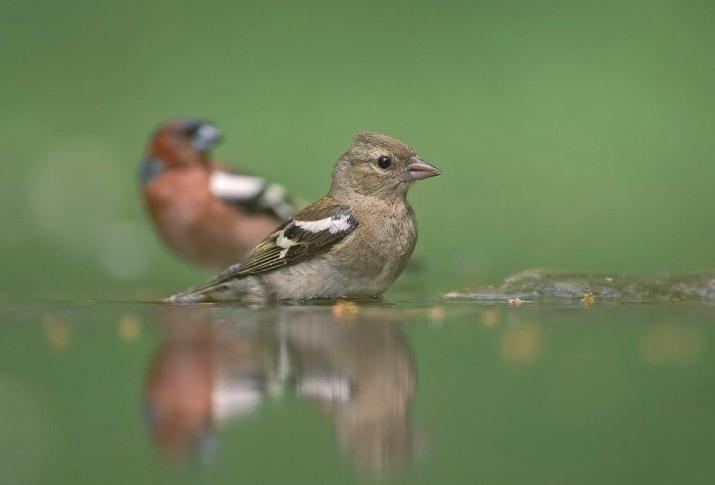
[214,291]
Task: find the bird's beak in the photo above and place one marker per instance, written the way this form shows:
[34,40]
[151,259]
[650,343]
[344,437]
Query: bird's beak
[419,169]
[206,137]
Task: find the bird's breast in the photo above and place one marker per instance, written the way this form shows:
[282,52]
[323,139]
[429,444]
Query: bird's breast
[382,242]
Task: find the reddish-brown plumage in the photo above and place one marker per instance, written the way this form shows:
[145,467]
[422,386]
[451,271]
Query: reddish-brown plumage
[176,188]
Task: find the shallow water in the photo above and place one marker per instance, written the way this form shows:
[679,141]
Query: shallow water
[435,392]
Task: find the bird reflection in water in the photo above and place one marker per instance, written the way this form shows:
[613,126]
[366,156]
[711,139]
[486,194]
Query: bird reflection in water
[216,364]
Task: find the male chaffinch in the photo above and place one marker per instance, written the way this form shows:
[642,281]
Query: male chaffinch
[354,242]
[203,212]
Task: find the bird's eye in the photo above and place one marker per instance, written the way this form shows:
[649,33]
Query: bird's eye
[384,161]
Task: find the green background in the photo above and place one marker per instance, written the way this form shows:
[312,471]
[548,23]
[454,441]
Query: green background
[573,135]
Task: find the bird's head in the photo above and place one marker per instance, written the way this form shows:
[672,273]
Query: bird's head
[184,141]
[380,166]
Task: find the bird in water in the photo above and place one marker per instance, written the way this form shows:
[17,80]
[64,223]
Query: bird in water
[205,213]
[353,243]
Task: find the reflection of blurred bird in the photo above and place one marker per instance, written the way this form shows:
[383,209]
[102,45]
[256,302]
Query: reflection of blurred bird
[354,242]
[198,378]
[206,214]
[216,365]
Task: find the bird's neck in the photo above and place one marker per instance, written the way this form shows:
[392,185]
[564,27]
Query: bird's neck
[181,159]
[349,197]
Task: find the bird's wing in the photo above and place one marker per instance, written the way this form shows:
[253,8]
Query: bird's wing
[311,232]
[251,193]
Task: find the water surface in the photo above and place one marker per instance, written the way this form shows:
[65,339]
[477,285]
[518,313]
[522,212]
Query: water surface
[400,392]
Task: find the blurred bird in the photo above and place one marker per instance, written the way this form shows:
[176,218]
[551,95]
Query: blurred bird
[205,213]
[354,242]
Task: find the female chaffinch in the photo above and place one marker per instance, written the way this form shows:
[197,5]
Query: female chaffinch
[354,242]
[203,212]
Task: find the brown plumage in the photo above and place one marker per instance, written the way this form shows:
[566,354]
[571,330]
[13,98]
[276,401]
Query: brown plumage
[354,242]
[203,212]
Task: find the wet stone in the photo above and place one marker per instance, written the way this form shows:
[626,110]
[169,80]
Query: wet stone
[546,285]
